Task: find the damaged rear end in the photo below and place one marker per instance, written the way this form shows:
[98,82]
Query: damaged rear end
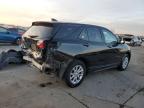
[38,45]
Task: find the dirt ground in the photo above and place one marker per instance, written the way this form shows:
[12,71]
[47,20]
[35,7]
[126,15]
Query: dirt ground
[23,86]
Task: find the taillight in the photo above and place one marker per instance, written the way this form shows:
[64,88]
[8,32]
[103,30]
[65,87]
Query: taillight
[41,44]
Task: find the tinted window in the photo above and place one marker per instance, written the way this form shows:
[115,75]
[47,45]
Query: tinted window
[67,32]
[3,30]
[84,35]
[109,37]
[94,35]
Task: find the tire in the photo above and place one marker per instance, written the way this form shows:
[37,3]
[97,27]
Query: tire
[11,51]
[124,62]
[72,77]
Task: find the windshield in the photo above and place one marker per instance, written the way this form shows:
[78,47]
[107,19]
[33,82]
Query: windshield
[39,32]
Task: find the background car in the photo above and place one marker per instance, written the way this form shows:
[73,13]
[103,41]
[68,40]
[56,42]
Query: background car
[136,41]
[17,30]
[7,36]
[131,39]
[126,38]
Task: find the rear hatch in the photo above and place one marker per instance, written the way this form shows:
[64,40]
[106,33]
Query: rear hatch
[34,39]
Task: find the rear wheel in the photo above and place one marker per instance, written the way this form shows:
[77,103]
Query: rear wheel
[75,73]
[124,62]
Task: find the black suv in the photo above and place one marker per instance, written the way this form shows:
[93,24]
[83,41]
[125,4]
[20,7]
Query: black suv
[71,50]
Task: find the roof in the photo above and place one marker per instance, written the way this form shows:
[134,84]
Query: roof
[67,23]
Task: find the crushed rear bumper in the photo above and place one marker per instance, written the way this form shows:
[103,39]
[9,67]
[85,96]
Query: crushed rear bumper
[41,67]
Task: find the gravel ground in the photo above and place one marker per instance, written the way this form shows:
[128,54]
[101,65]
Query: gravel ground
[23,86]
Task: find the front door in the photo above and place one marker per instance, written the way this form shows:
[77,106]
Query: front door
[94,48]
[112,52]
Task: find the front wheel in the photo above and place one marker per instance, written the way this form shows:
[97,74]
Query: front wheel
[75,73]
[124,62]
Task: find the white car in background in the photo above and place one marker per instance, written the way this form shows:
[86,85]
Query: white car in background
[136,41]
[132,40]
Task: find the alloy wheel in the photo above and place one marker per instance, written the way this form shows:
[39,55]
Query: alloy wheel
[76,74]
[125,62]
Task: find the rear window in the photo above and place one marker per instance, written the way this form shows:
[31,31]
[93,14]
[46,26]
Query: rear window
[39,32]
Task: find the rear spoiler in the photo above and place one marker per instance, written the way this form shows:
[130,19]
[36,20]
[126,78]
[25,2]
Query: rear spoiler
[48,24]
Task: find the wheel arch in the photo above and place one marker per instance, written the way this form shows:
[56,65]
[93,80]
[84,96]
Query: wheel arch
[129,54]
[82,59]
[66,65]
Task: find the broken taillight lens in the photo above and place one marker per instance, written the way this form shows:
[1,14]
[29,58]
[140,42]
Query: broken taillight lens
[41,44]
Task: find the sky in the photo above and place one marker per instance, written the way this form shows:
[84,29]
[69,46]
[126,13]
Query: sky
[121,16]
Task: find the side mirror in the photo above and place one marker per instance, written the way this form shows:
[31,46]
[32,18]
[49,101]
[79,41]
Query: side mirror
[122,42]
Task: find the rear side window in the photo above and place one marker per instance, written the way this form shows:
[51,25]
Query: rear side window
[94,34]
[84,35]
[67,32]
